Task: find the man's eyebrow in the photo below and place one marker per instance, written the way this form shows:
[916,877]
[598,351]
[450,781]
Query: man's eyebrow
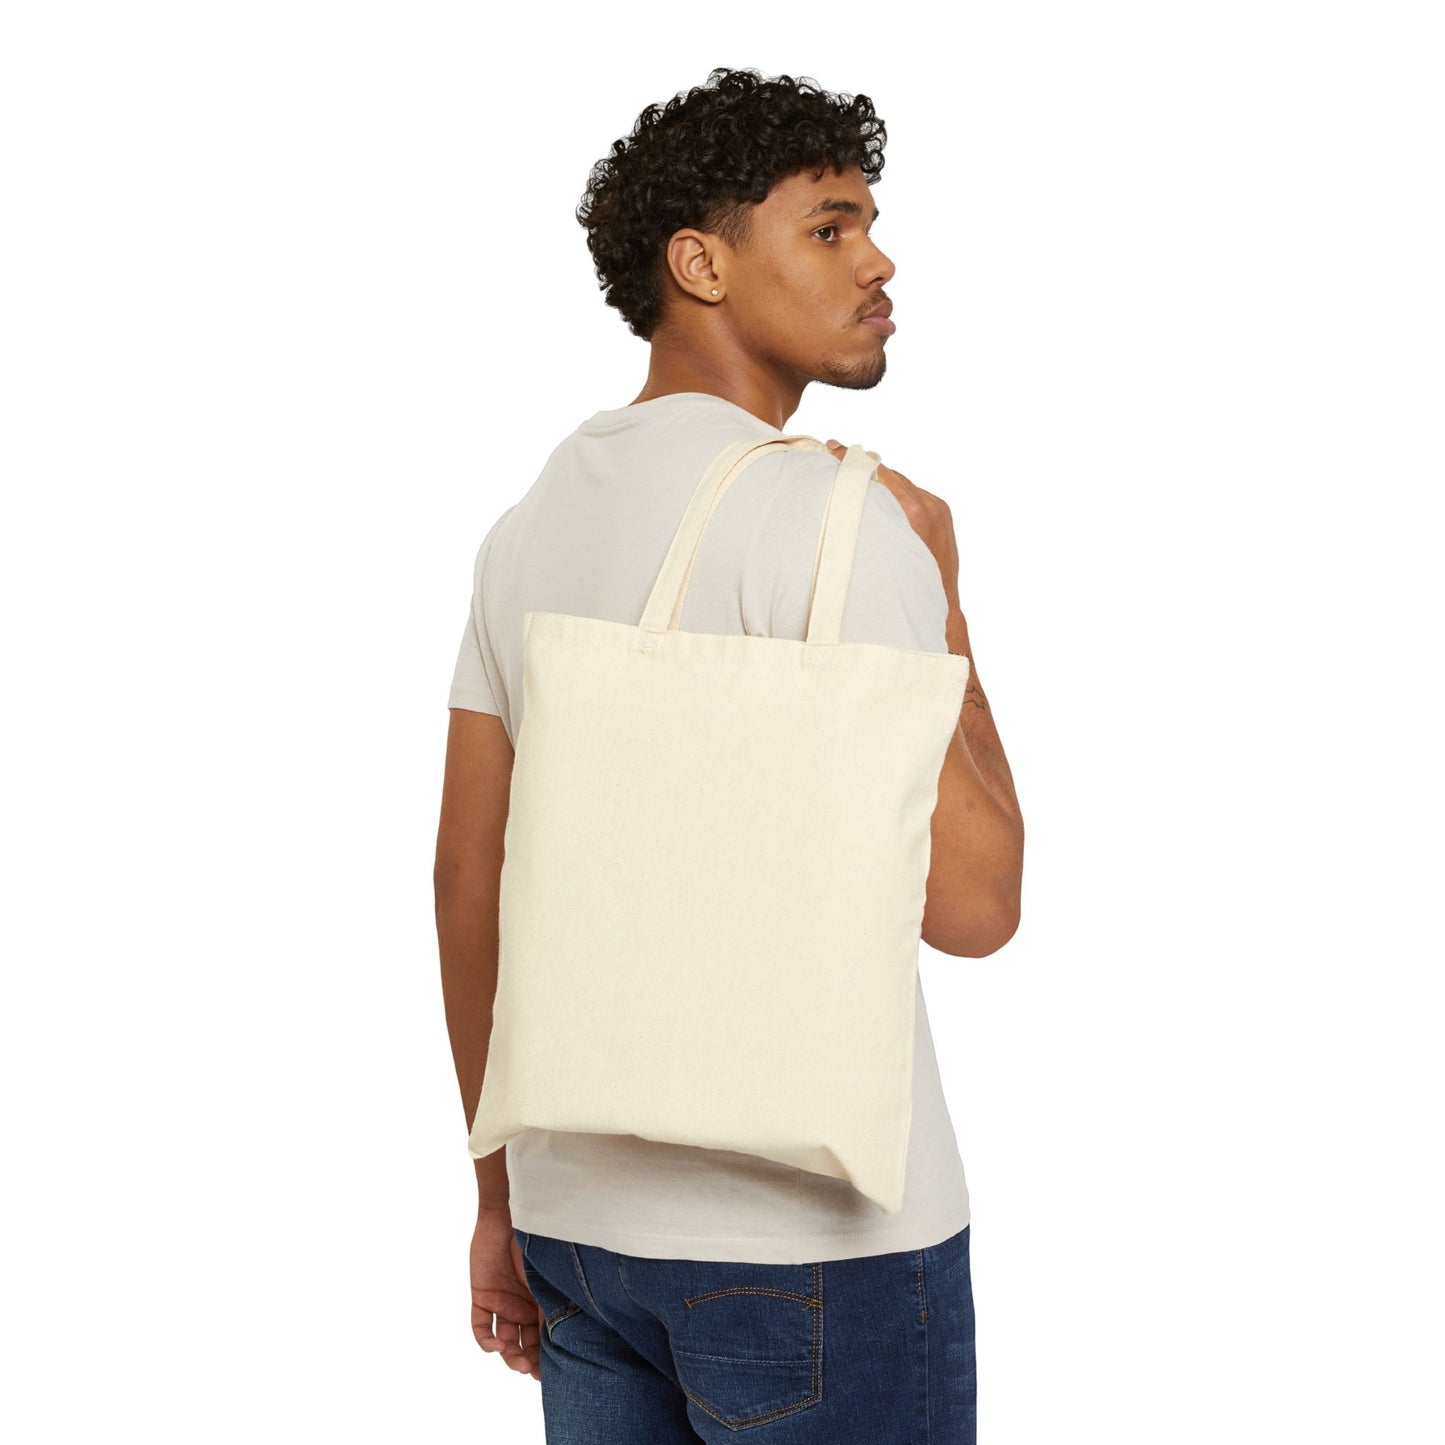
[848,208]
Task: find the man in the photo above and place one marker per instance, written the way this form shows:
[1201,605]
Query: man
[678,1293]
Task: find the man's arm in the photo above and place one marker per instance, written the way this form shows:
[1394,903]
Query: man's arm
[975,875]
[466,880]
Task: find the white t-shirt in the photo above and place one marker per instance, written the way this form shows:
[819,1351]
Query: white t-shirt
[588,538]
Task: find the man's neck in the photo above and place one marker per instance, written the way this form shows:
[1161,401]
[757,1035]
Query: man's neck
[678,367]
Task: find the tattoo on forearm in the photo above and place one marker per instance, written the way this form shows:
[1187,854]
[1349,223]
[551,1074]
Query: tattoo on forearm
[974,694]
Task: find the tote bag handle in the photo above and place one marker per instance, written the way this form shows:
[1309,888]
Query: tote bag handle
[832,565]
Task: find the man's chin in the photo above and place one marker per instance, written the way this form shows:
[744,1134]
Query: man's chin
[854,376]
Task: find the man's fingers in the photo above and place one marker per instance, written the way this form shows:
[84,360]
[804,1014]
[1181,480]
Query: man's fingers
[519,1345]
[837,446]
[514,1355]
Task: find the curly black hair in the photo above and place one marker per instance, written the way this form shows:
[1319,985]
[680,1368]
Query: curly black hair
[703,160]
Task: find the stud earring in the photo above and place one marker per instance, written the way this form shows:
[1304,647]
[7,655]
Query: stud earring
[714,290]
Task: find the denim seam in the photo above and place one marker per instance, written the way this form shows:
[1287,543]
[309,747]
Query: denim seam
[582,1279]
[923,1319]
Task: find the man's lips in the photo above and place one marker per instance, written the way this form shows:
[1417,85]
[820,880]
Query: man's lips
[880,318]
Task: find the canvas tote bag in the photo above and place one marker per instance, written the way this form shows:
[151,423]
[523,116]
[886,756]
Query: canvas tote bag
[715,867]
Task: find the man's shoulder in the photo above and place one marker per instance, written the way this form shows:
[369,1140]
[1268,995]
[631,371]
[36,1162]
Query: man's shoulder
[895,587]
[798,484]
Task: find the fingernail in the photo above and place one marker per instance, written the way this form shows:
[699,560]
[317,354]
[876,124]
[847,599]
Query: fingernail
[833,442]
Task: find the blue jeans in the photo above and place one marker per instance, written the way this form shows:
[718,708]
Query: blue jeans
[876,1350]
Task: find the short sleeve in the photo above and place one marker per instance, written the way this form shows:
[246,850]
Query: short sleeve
[895,592]
[895,595]
[472,687]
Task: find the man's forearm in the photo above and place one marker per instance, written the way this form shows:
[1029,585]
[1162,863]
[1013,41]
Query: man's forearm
[980,736]
[466,916]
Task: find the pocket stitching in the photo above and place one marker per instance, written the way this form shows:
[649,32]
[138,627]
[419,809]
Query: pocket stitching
[558,1315]
[815,1304]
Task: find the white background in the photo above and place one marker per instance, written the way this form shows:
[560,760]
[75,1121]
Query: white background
[295,304]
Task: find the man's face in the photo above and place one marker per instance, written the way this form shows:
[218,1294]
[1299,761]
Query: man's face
[798,290]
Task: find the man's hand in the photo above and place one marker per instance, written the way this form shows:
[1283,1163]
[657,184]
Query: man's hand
[506,1319]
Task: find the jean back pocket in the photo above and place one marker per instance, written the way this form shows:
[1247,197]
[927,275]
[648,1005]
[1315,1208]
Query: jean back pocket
[752,1351]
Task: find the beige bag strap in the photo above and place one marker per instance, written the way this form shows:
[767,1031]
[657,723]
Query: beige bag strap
[837,540]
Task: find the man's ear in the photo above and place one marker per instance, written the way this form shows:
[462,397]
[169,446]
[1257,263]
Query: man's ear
[696,261]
